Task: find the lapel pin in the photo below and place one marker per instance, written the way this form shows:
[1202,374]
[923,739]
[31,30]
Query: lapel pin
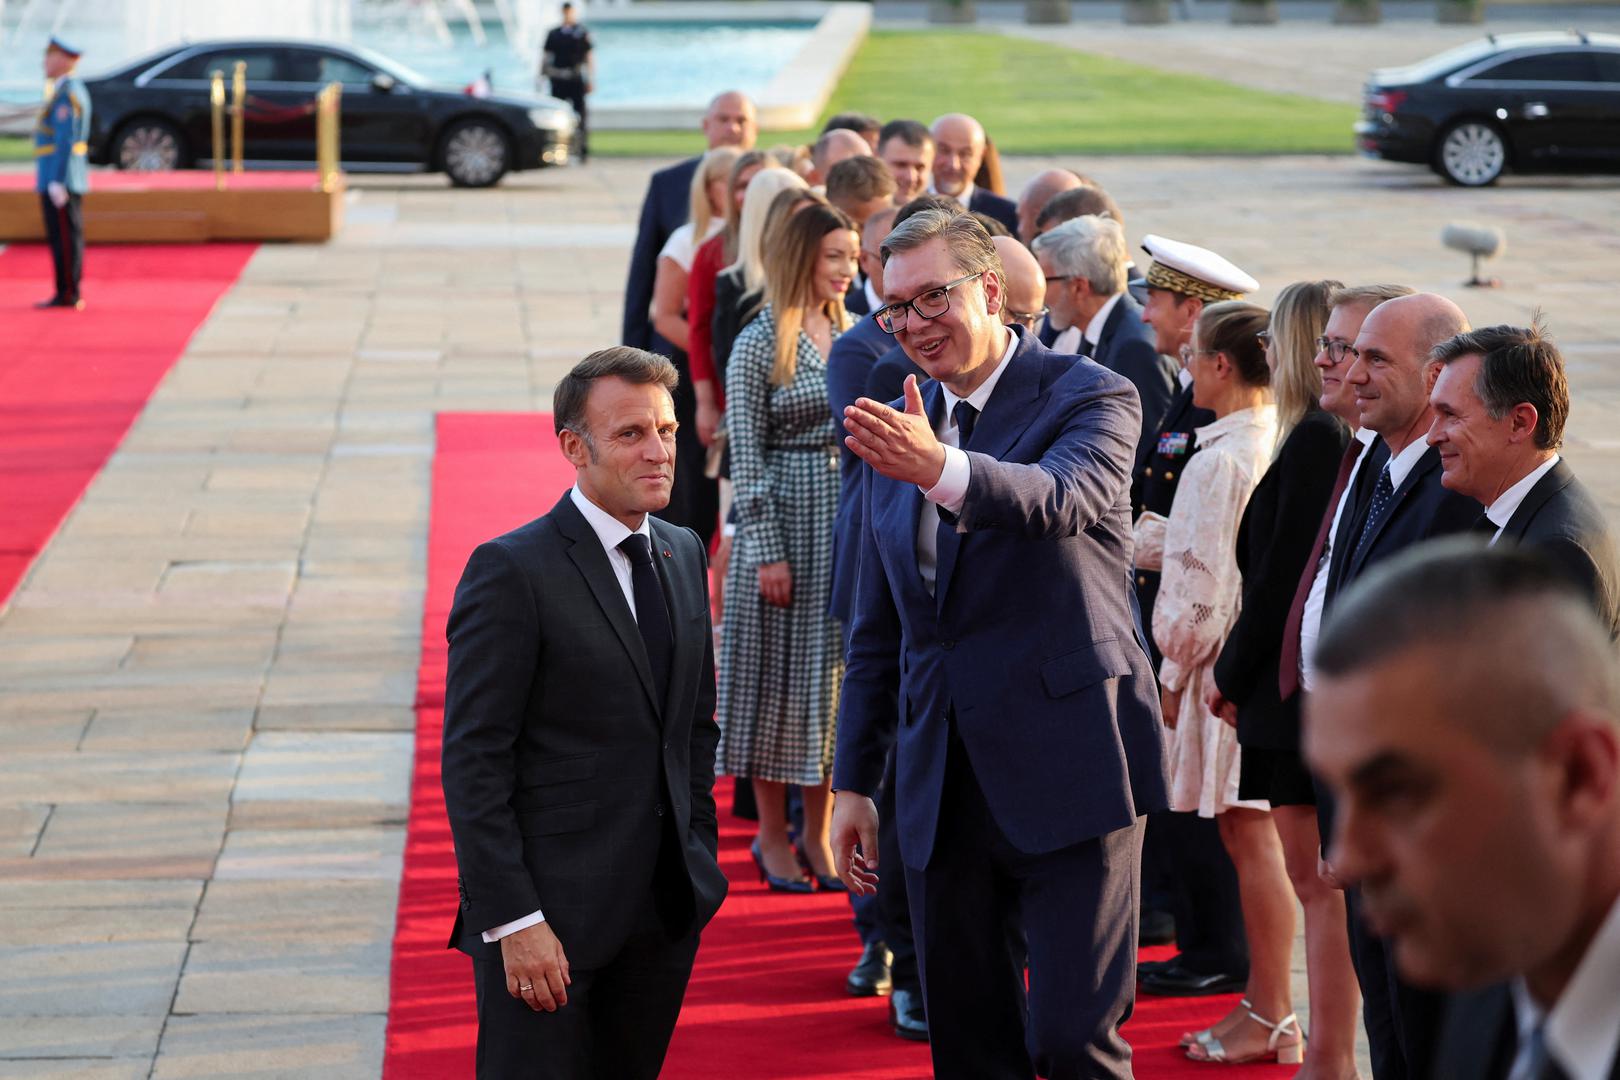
[667,555]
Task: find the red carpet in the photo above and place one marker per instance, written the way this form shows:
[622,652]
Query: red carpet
[71,383]
[767,998]
[186,180]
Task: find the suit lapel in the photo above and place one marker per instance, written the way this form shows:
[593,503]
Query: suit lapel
[585,551]
[1556,479]
[1105,340]
[1425,465]
[687,604]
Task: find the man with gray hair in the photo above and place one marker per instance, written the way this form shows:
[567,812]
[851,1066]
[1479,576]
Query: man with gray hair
[1084,262]
[1467,717]
[1500,403]
[994,604]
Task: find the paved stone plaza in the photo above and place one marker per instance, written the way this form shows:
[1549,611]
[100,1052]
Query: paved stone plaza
[206,682]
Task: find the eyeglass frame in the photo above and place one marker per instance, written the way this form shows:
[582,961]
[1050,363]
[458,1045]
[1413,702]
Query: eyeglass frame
[1028,319]
[1264,338]
[911,305]
[1343,348]
[1187,352]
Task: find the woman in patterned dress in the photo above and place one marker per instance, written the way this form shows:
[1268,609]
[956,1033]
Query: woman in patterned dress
[780,652]
[1199,595]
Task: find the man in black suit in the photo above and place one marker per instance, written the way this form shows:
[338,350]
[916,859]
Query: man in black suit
[1084,263]
[579,742]
[1500,404]
[958,152]
[1186,870]
[1467,716]
[1398,505]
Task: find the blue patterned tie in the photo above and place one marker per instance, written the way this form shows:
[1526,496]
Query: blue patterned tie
[1382,494]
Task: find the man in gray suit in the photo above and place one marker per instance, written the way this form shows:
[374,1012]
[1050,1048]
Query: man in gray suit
[1467,717]
[579,741]
[1499,409]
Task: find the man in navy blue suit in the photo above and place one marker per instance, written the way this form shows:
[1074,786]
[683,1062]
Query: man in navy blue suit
[958,152]
[1084,262]
[994,601]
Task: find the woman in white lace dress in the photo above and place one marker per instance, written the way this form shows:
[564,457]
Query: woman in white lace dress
[1199,593]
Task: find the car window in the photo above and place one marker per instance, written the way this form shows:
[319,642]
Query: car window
[1569,66]
[341,69]
[1608,66]
[262,65]
[316,66]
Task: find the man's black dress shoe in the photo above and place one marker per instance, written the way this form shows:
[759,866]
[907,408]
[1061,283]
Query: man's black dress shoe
[1144,968]
[871,976]
[57,301]
[1157,928]
[907,1016]
[1177,981]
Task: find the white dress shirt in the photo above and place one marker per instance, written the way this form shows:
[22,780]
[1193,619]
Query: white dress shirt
[950,491]
[965,196]
[1094,328]
[1582,1031]
[1507,504]
[611,532]
[1400,465]
[873,301]
[1310,624]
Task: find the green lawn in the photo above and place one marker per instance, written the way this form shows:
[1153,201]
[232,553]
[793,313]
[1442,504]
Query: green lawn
[16,148]
[1076,103]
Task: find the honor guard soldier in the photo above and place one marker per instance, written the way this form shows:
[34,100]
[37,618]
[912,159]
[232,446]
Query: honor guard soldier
[570,66]
[61,173]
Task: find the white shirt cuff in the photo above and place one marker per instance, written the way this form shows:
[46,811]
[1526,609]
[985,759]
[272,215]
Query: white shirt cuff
[951,489]
[508,929]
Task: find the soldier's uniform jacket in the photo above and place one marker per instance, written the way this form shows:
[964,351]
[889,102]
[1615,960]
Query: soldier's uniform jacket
[60,138]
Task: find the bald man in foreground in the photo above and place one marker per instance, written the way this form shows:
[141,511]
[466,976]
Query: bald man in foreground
[1467,717]
[959,145]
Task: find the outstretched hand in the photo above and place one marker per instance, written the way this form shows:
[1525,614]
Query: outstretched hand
[900,445]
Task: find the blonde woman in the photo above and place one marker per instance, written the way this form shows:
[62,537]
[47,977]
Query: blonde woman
[1274,544]
[707,217]
[780,653]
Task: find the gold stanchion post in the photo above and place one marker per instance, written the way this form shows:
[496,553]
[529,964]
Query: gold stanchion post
[216,97]
[238,117]
[328,110]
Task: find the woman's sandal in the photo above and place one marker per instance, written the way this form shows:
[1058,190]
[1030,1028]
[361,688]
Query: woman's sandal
[1190,1037]
[1290,1053]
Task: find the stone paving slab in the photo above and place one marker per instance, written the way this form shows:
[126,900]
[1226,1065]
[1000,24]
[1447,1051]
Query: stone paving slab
[66,927]
[299,975]
[272,1047]
[112,1036]
[69,1068]
[312,854]
[103,839]
[357,911]
[92,979]
[135,731]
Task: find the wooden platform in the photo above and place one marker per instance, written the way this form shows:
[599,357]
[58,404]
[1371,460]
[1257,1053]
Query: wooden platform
[184,207]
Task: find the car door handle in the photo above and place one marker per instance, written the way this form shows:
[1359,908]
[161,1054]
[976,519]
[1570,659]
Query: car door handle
[1535,111]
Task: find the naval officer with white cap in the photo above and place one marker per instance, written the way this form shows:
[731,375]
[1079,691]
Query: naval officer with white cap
[1182,852]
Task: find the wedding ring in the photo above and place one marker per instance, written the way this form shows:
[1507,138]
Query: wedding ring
[526,986]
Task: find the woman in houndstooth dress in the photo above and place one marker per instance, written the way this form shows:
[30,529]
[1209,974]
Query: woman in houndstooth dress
[781,655]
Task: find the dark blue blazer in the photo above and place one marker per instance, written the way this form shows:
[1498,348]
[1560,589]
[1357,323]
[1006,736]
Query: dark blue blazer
[1420,510]
[887,382]
[999,207]
[664,210]
[848,367]
[1030,643]
[1561,520]
[1126,345]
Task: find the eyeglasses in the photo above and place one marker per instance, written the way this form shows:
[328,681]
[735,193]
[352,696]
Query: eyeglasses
[1027,319]
[1264,338]
[1188,352]
[1336,350]
[929,305]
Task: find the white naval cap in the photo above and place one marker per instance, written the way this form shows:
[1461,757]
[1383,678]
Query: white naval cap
[1192,271]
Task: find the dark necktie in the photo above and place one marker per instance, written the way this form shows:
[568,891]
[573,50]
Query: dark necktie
[1541,1063]
[1382,495]
[1087,346]
[652,617]
[1484,526]
[1288,664]
[965,415]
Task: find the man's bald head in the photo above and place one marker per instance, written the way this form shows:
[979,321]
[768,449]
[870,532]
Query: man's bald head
[1427,319]
[958,152]
[1023,283]
[839,144]
[1037,193]
[1394,371]
[730,121]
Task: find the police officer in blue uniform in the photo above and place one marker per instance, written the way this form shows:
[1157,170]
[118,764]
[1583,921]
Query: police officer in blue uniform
[571,67]
[61,173]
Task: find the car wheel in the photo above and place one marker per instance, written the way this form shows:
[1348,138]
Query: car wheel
[1471,153]
[148,145]
[476,153]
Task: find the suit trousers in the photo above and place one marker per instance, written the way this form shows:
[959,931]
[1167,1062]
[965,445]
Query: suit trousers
[64,230]
[617,1023]
[1078,907]
[1203,891]
[1403,1022]
[893,906]
[573,92]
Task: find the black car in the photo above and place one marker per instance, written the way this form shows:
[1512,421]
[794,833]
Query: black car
[155,114]
[1527,102]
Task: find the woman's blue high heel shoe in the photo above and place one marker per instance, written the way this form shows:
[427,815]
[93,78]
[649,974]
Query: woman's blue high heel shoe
[777,884]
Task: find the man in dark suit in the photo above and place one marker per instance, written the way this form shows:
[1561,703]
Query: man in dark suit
[959,145]
[1467,716]
[1398,505]
[1186,871]
[1084,263]
[1500,404]
[994,599]
[579,743]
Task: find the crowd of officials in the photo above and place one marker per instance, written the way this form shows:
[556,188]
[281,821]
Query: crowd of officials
[1165,644]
